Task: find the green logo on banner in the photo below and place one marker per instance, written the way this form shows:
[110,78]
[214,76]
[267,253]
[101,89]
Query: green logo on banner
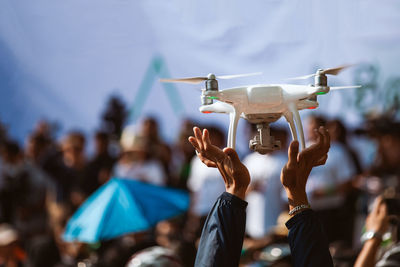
[157,69]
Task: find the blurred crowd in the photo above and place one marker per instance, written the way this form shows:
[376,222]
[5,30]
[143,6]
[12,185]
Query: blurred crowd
[45,180]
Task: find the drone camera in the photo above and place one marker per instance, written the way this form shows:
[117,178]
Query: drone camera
[263,142]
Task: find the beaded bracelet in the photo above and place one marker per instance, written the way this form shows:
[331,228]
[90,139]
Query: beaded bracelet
[300,207]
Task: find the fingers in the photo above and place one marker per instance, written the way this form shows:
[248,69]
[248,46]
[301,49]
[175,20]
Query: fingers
[323,140]
[316,154]
[199,137]
[206,139]
[193,141]
[292,154]
[208,162]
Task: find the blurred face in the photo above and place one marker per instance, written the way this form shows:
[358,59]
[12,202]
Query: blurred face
[150,128]
[73,155]
[101,145]
[33,149]
[73,152]
[10,158]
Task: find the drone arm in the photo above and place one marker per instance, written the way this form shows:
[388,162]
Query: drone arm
[234,116]
[293,110]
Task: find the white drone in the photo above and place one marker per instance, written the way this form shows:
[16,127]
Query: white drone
[262,104]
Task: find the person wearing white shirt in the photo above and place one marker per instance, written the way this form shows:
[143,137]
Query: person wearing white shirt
[135,162]
[206,186]
[264,196]
[327,187]
[205,183]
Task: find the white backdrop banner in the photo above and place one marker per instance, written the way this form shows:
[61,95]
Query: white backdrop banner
[61,60]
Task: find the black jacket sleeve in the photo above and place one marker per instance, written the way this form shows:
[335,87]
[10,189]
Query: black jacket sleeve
[222,236]
[308,242]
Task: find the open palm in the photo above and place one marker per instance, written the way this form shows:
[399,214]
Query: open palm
[295,173]
[234,173]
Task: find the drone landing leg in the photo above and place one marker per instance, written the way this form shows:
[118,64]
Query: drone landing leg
[289,119]
[293,109]
[234,119]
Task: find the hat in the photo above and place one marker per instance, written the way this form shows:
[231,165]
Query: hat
[131,140]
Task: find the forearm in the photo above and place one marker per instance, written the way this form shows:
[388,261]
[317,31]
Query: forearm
[239,192]
[222,236]
[367,256]
[307,240]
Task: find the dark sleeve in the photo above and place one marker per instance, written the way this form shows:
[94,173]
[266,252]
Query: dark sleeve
[222,236]
[308,242]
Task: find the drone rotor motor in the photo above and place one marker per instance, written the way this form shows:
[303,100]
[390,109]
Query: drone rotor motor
[211,86]
[320,79]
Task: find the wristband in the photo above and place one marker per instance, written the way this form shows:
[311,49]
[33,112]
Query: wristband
[300,207]
[370,235]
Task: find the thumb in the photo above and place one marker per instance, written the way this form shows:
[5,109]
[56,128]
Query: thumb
[231,153]
[292,153]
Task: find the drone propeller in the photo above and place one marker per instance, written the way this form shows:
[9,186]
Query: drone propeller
[196,80]
[344,87]
[193,80]
[331,71]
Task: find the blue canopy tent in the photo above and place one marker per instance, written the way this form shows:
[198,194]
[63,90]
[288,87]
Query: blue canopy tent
[124,206]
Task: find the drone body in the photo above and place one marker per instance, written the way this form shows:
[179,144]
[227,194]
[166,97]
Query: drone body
[262,105]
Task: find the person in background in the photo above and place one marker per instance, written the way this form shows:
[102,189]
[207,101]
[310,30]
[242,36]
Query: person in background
[338,132]
[183,154]
[11,253]
[158,149]
[347,214]
[51,250]
[136,161]
[22,193]
[383,177]
[385,173]
[100,166]
[168,234]
[264,196]
[36,149]
[328,185]
[73,170]
[222,235]
[376,225]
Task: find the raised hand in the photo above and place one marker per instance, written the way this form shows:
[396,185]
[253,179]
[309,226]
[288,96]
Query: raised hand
[235,174]
[295,173]
[378,219]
